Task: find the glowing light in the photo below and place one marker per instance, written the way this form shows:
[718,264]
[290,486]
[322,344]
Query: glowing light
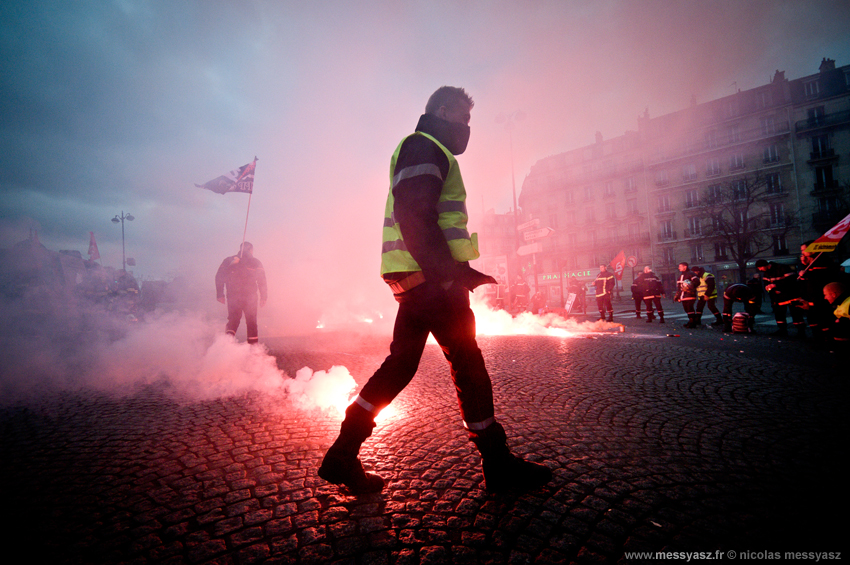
[499,322]
[320,325]
[388,413]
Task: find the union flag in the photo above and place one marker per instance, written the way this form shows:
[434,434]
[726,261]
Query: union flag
[829,241]
[619,264]
[240,180]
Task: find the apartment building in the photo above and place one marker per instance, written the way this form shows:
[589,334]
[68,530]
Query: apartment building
[773,159]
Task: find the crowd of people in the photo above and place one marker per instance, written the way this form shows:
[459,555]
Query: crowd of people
[815,294]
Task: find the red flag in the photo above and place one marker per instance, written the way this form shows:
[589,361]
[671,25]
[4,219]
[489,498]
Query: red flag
[619,264]
[829,241]
[94,254]
[240,180]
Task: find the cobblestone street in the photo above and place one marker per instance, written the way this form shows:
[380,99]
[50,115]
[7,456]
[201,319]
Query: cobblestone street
[701,442]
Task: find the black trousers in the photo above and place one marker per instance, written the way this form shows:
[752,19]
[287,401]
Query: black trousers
[238,305]
[429,309]
[603,303]
[649,300]
[711,305]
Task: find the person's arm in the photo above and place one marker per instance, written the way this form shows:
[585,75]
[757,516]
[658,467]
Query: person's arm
[421,169]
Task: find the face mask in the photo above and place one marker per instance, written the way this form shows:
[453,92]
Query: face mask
[458,137]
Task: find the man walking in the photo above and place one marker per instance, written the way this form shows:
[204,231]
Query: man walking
[686,292]
[604,282]
[426,250]
[242,276]
[706,295]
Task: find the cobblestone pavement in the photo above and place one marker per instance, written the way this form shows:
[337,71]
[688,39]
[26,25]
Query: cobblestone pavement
[703,442]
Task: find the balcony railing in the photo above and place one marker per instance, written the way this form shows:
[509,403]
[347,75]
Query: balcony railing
[666,236]
[831,119]
[822,154]
[830,185]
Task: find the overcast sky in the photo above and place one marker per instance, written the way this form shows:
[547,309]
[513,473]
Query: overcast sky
[126,104]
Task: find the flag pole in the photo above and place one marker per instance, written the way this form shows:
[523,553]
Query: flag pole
[250,194]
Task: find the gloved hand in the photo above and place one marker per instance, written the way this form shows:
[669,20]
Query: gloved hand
[470,279]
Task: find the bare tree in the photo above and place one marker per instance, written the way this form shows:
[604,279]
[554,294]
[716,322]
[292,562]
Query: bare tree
[747,216]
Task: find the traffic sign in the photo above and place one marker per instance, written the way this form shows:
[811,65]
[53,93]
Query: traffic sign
[631,261]
[530,248]
[537,234]
[529,224]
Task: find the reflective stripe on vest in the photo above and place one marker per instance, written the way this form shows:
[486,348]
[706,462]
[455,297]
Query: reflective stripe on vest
[451,210]
[703,287]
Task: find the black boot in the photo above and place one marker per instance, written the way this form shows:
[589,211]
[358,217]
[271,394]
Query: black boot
[504,471]
[690,323]
[610,316]
[660,317]
[341,465]
[649,317]
[718,320]
[697,320]
[782,330]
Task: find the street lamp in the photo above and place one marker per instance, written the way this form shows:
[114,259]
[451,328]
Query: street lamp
[510,121]
[121,219]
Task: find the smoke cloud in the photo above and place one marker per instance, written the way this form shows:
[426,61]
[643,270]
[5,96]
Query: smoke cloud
[185,355]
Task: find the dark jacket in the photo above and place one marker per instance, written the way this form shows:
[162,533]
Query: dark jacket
[604,283]
[242,279]
[649,285]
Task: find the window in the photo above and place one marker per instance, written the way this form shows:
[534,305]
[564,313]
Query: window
[568,197]
[634,231]
[773,183]
[811,88]
[816,116]
[666,228]
[739,190]
[609,211]
[572,239]
[691,198]
[777,215]
[631,184]
[588,193]
[694,227]
[710,139]
[689,172]
[736,161]
[712,167]
[591,236]
[780,246]
[768,125]
[730,108]
[820,147]
[668,256]
[734,134]
[664,203]
[661,178]
[824,178]
[571,217]
[553,221]
[632,206]
[713,193]
[770,154]
[763,99]
[696,252]
[720,252]
[609,189]
[589,215]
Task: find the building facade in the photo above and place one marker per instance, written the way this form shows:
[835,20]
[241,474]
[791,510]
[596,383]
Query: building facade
[719,184]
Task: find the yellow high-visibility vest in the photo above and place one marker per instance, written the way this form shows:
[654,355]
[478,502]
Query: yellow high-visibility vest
[452,216]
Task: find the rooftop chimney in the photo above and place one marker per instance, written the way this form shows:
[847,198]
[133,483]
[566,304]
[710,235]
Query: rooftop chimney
[827,65]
